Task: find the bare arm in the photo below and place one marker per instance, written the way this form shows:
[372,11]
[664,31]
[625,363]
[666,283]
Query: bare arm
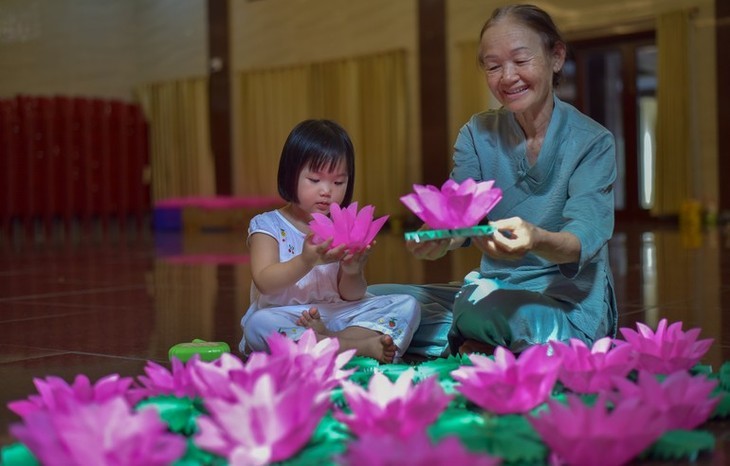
[352,283]
[269,275]
[272,276]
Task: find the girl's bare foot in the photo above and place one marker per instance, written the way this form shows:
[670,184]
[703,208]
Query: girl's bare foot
[380,347]
[311,319]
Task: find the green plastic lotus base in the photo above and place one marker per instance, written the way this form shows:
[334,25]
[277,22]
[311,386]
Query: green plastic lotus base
[430,235]
[208,350]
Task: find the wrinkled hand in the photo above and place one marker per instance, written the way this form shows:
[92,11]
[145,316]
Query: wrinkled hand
[429,250]
[512,239]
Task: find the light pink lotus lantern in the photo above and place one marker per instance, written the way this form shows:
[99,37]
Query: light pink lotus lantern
[579,433]
[356,230]
[507,384]
[454,205]
[387,408]
[667,350]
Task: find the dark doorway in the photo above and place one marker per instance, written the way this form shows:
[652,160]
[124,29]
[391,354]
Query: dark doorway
[613,79]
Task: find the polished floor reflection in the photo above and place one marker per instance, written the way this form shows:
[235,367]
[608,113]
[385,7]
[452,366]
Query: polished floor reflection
[107,303]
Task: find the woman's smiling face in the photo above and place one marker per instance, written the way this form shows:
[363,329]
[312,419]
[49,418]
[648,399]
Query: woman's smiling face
[518,68]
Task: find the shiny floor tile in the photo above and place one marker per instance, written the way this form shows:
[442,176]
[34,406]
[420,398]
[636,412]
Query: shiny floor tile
[108,304]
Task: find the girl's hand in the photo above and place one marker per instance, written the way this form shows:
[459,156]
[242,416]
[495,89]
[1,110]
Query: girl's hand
[512,239]
[315,254]
[354,262]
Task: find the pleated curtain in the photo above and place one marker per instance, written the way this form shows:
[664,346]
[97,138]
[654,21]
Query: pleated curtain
[367,95]
[673,155]
[181,158]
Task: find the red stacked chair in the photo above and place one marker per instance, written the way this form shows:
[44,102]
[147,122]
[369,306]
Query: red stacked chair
[73,160]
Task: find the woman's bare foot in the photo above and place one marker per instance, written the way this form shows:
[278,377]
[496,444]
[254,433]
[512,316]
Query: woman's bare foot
[474,346]
[311,319]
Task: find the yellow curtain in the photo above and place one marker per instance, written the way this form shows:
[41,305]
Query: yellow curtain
[366,95]
[474,95]
[383,143]
[272,102]
[673,167]
[181,158]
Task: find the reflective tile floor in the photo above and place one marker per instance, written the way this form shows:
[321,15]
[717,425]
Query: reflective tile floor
[106,303]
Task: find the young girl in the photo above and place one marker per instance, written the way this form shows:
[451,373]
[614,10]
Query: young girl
[299,285]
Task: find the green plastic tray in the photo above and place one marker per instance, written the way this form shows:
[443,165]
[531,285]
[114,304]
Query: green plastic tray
[208,350]
[430,235]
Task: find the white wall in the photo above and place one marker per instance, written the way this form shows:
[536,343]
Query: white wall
[104,48]
[171,39]
[98,48]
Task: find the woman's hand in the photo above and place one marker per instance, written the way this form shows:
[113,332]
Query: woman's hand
[511,240]
[429,250]
[432,249]
[514,237]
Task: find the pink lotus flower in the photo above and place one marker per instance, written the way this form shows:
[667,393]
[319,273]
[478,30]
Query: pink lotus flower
[668,350]
[317,360]
[215,379]
[509,385]
[397,409]
[264,424]
[454,205]
[287,364]
[105,432]
[682,399]
[416,450]
[160,381]
[55,394]
[580,434]
[356,230]
[591,370]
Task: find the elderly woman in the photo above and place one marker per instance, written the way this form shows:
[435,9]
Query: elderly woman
[544,274]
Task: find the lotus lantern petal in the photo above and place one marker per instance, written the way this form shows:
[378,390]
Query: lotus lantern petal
[355,229]
[455,205]
[667,350]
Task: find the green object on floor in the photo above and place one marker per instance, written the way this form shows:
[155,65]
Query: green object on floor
[208,350]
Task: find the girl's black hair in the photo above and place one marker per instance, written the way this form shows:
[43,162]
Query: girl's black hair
[536,19]
[318,145]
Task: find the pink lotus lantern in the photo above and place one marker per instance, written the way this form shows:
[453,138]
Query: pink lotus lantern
[307,357]
[454,205]
[161,381]
[509,385]
[579,434]
[416,450]
[215,379]
[55,394]
[685,401]
[587,370]
[93,425]
[356,230]
[667,350]
[398,409]
[263,424]
[319,362]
